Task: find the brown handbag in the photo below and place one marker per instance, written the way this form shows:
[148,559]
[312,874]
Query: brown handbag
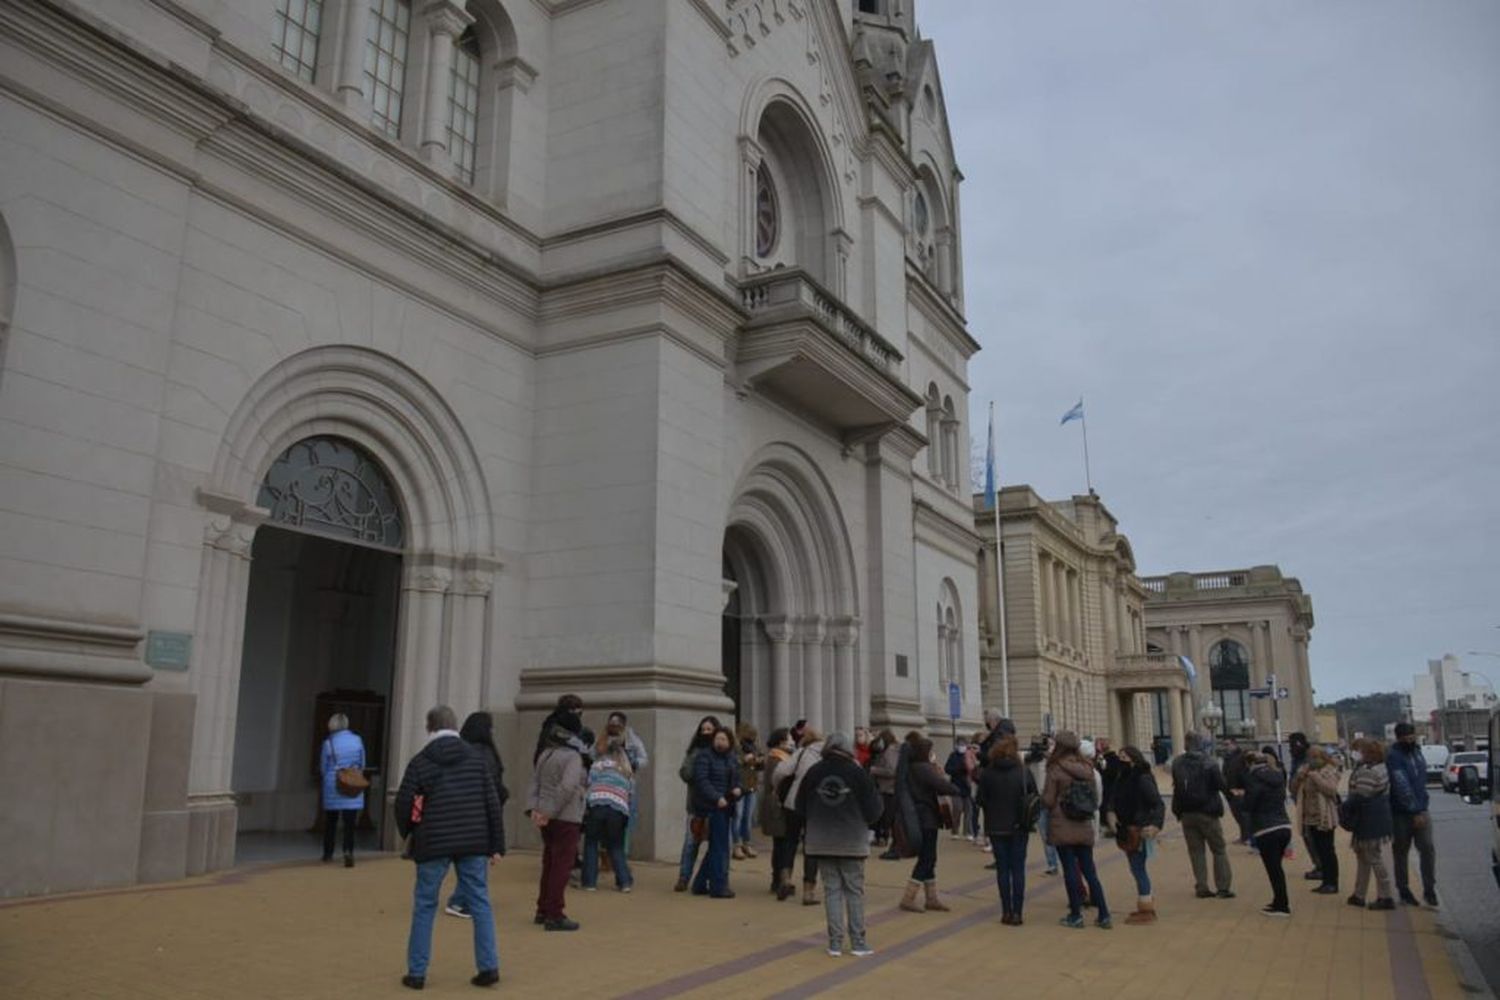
[348,780]
[1129,839]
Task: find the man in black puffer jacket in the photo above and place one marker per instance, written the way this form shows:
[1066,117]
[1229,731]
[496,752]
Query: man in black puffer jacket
[448,806]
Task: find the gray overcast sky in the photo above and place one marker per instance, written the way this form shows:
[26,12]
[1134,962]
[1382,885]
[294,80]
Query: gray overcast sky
[1263,241]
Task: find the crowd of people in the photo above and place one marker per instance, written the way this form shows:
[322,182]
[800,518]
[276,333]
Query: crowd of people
[835,798]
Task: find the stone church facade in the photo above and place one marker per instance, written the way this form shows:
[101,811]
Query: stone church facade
[368,354]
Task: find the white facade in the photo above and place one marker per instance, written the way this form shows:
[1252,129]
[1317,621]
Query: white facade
[1447,685]
[638,309]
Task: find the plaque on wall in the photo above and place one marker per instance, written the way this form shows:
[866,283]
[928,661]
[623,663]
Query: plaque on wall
[169,650]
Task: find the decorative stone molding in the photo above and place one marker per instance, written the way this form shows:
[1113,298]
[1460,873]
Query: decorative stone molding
[37,646]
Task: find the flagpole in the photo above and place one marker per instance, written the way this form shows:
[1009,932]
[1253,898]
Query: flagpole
[1000,582]
[1088,477]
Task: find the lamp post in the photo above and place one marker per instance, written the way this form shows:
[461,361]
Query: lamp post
[1212,715]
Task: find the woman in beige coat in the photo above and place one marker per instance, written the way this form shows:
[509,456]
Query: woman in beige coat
[1316,789]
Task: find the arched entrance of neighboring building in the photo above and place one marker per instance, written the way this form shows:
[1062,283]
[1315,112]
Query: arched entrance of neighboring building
[319,638]
[791,622]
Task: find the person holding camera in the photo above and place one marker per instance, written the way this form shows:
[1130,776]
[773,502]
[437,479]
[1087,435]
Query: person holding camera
[1036,763]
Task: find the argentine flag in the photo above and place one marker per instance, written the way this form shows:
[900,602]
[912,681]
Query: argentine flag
[1189,669]
[1076,413]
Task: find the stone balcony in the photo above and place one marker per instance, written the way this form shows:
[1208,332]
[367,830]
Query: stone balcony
[1147,672]
[803,345]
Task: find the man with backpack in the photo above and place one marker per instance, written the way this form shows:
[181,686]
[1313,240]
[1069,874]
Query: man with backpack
[1198,803]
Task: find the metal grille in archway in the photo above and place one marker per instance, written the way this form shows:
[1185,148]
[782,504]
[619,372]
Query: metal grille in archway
[331,486]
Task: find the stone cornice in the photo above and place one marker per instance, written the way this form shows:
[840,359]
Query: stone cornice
[964,542]
[653,278]
[938,311]
[636,685]
[34,646]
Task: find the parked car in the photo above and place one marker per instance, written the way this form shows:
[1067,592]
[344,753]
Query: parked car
[1436,756]
[1477,783]
[1479,758]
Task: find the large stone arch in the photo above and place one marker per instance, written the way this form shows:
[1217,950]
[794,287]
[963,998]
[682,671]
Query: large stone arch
[787,544]
[390,412]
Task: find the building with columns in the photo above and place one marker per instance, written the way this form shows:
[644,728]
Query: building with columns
[360,355]
[1074,623]
[1239,627]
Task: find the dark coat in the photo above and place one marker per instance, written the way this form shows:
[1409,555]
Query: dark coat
[1235,770]
[1001,792]
[1408,772]
[460,809]
[906,831]
[1370,802]
[838,801]
[927,783]
[1137,800]
[1062,829]
[1115,770]
[1265,799]
[715,775]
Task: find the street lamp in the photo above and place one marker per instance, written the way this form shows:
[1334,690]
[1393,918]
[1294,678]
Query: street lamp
[1212,715]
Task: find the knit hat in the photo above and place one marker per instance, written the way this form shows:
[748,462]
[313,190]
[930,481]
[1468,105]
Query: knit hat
[838,743]
[1086,749]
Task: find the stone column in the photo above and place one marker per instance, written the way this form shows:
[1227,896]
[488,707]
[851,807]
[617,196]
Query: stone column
[464,685]
[778,635]
[353,18]
[847,715]
[424,590]
[1059,606]
[751,157]
[445,20]
[1174,719]
[1117,719]
[810,635]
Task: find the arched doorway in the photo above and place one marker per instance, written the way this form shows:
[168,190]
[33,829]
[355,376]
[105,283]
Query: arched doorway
[319,638]
[400,425]
[791,622]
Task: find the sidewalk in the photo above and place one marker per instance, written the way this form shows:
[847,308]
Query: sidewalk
[309,930]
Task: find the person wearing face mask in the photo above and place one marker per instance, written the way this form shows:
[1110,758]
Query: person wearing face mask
[611,789]
[702,737]
[716,791]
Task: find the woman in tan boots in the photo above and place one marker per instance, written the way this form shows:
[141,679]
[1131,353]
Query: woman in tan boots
[1139,814]
[926,782]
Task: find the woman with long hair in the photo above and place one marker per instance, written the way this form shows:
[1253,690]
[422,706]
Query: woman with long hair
[715,791]
[1270,828]
[751,762]
[1070,797]
[885,754]
[1002,792]
[773,818]
[789,774]
[702,737]
[1139,815]
[606,817]
[926,783]
[1316,790]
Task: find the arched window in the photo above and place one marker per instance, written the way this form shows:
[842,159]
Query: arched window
[386,33]
[463,105]
[934,432]
[331,486]
[950,443]
[1229,674]
[295,33]
[950,635]
[767,212]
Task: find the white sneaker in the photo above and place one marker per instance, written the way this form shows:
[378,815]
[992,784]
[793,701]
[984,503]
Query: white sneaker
[835,953]
[863,951]
[455,910]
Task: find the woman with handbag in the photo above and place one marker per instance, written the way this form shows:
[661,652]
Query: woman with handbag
[773,818]
[342,763]
[1008,800]
[926,783]
[702,737]
[1139,815]
[788,777]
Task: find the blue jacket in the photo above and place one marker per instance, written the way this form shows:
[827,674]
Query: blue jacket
[1408,769]
[341,749]
[714,775]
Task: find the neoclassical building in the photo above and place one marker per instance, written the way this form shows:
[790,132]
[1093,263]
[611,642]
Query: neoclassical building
[1074,623]
[1239,627]
[365,354]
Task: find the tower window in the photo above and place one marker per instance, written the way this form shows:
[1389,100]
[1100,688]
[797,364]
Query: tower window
[767,213]
[295,36]
[385,62]
[463,105]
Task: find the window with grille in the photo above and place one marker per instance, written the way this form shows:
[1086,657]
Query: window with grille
[295,35]
[385,62]
[463,105]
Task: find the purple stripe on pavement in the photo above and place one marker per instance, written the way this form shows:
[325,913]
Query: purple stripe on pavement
[1408,979]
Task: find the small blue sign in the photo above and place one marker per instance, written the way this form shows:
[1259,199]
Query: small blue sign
[955,701]
[168,650]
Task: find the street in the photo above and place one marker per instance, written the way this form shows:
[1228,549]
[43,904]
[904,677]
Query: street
[1466,886]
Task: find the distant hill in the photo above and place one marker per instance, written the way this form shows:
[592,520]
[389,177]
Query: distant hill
[1367,713]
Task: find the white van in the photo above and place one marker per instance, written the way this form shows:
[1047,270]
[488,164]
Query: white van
[1436,756]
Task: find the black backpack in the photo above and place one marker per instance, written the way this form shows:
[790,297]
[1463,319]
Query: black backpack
[1192,795]
[1079,801]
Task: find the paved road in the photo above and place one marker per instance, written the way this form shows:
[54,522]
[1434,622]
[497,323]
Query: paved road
[1465,883]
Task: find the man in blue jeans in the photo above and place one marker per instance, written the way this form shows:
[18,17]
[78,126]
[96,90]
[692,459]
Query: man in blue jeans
[448,807]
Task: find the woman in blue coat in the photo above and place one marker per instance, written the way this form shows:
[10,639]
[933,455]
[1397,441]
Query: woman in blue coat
[342,749]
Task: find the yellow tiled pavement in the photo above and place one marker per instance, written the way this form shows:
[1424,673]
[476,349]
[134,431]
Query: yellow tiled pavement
[323,931]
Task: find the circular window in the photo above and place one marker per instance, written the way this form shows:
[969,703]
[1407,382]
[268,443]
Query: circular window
[919,214]
[767,213]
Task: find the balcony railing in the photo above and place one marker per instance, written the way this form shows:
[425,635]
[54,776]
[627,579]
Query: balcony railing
[791,292]
[1138,671]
